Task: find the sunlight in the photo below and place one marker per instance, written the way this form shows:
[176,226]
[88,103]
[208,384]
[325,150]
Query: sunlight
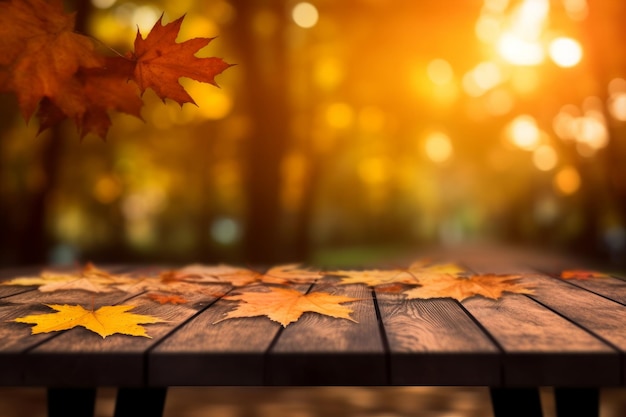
[567,180]
[565,52]
[545,158]
[518,51]
[440,71]
[438,147]
[305,15]
[524,132]
[339,115]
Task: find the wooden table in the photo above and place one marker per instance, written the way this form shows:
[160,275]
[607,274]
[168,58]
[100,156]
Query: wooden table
[568,334]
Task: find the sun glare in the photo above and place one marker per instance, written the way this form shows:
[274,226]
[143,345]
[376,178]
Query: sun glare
[305,15]
[565,52]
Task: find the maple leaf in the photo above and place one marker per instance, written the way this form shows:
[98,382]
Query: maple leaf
[40,53]
[160,62]
[488,285]
[240,277]
[158,284]
[284,305]
[97,91]
[582,274]
[89,278]
[417,271]
[104,321]
[376,277]
[424,267]
[166,298]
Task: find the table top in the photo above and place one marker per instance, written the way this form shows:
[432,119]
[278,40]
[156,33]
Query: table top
[567,333]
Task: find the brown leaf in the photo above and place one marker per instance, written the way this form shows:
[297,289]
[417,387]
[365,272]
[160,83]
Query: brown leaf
[488,285]
[160,62]
[582,274]
[285,305]
[376,277]
[166,298]
[40,53]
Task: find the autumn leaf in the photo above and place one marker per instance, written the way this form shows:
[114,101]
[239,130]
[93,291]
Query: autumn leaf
[290,273]
[40,53]
[89,278]
[376,277]
[59,74]
[158,284]
[417,271]
[239,277]
[285,305]
[160,62]
[582,274]
[488,285]
[97,91]
[166,298]
[104,321]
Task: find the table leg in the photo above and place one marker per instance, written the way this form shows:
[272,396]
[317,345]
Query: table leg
[516,402]
[575,402]
[145,402]
[71,402]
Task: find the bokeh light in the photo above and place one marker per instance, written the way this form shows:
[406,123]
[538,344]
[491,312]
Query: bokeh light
[305,15]
[565,52]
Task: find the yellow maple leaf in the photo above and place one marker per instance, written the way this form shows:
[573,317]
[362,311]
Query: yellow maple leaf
[376,277]
[285,305]
[89,278]
[239,277]
[488,285]
[422,267]
[105,321]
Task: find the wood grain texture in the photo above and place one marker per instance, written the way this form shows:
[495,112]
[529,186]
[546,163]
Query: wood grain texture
[79,357]
[541,347]
[564,350]
[231,352]
[322,350]
[433,342]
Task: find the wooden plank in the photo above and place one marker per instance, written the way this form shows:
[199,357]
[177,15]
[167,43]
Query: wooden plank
[322,350]
[78,357]
[9,273]
[434,342]
[231,352]
[564,351]
[16,337]
[540,347]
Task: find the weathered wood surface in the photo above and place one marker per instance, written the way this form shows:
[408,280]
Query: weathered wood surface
[568,333]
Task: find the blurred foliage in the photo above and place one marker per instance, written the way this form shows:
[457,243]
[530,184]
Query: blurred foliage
[385,124]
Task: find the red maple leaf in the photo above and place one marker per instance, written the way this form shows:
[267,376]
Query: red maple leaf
[160,62]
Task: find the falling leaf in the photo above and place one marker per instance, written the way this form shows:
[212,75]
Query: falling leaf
[61,75]
[160,62]
[285,305]
[89,278]
[488,285]
[40,53]
[167,298]
[104,321]
[582,274]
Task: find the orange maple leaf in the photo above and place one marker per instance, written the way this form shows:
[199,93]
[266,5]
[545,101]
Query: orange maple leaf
[285,305]
[487,285]
[40,53]
[166,298]
[96,91]
[582,274]
[160,62]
